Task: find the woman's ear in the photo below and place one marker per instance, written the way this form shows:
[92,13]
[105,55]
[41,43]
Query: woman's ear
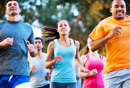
[57,29]
[70,29]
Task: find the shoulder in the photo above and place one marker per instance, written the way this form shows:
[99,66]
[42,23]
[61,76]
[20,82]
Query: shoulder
[31,58]
[104,58]
[2,22]
[127,17]
[76,43]
[105,20]
[83,58]
[44,53]
[51,44]
[26,25]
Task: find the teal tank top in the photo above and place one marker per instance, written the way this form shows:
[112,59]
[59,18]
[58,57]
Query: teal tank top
[63,71]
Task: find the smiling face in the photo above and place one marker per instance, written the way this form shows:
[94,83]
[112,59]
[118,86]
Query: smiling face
[118,9]
[12,8]
[63,27]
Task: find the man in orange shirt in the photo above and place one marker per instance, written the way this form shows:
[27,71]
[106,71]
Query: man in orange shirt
[114,32]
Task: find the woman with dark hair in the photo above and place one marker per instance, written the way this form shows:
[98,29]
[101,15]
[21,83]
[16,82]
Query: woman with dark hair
[94,62]
[65,50]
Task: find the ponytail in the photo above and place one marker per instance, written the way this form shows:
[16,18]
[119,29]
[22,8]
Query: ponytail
[49,34]
[84,50]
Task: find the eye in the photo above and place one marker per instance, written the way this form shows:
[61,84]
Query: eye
[65,24]
[15,4]
[122,6]
[61,25]
[9,4]
[116,6]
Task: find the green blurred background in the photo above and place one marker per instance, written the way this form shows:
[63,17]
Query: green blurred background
[83,15]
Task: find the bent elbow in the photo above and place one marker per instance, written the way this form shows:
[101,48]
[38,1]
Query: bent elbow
[93,49]
[46,66]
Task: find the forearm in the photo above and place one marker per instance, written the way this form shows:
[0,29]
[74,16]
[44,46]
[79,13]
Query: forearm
[82,74]
[49,64]
[97,44]
[34,53]
[78,62]
[0,44]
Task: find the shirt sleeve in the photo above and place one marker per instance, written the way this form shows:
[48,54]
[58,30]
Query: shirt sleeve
[31,37]
[97,33]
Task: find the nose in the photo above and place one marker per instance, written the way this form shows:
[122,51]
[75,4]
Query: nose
[63,26]
[12,5]
[119,8]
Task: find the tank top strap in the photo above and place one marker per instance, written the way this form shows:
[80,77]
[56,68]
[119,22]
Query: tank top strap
[56,42]
[87,56]
[100,57]
[72,42]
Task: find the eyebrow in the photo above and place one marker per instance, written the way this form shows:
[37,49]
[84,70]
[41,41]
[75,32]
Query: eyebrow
[12,2]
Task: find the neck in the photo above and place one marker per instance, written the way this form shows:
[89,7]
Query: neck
[64,38]
[13,18]
[93,53]
[39,54]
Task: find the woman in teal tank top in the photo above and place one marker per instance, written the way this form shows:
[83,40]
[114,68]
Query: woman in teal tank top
[65,52]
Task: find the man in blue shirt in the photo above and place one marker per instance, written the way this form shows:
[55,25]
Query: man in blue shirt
[16,39]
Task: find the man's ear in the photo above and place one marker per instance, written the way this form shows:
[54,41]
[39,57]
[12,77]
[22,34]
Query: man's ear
[110,10]
[6,11]
[19,10]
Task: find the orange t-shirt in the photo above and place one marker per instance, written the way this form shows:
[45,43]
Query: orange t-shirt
[118,47]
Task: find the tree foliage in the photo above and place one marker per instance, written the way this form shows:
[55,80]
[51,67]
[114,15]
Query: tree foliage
[48,12]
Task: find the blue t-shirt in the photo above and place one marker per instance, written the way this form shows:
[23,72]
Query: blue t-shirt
[64,71]
[13,59]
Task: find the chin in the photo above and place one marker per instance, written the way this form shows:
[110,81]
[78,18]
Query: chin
[119,18]
[13,14]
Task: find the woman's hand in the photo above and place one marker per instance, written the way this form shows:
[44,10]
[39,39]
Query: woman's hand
[93,72]
[58,58]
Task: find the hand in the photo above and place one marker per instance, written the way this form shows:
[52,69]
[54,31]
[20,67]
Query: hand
[48,76]
[31,47]
[33,68]
[93,72]
[58,58]
[115,31]
[7,41]
[85,70]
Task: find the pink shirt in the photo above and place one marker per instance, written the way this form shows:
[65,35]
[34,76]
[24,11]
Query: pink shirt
[95,81]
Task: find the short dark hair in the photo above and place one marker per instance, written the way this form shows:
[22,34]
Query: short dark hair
[113,1]
[40,39]
[12,0]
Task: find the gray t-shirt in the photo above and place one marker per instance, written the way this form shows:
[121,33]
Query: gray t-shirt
[37,78]
[13,59]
